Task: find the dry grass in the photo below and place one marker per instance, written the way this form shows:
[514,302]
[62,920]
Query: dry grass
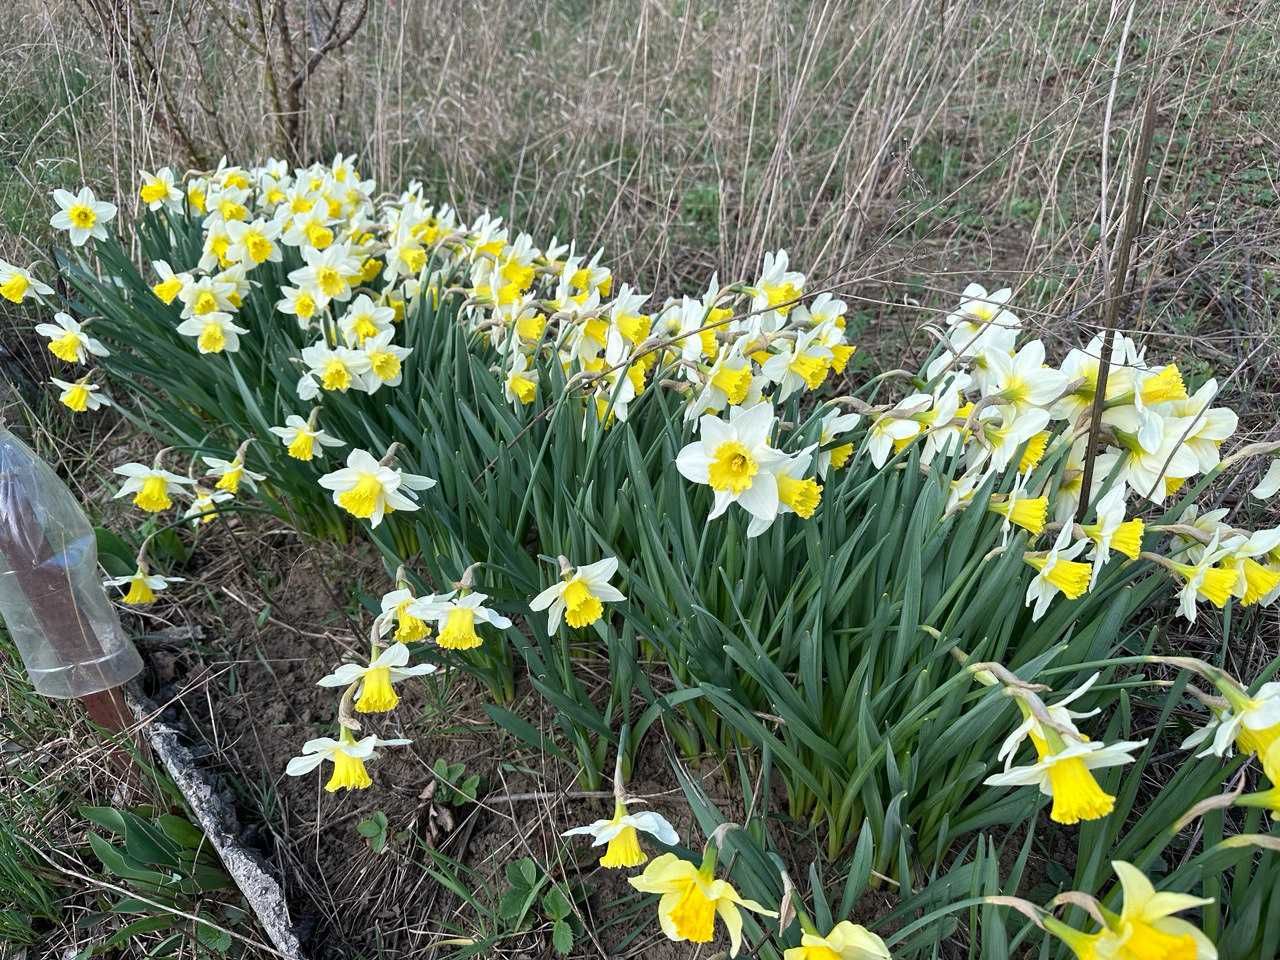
[896,149]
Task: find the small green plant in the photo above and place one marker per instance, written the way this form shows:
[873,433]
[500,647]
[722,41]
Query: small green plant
[374,830]
[454,788]
[529,887]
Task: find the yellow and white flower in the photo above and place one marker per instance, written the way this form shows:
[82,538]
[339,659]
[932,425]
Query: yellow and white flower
[385,362]
[331,368]
[204,505]
[364,320]
[205,296]
[735,459]
[17,283]
[1251,723]
[398,606]
[143,585]
[347,755]
[831,454]
[68,341]
[300,438]
[82,215]
[153,488]
[370,489]
[214,332]
[171,284]
[1022,381]
[377,691]
[253,243]
[580,594]
[456,614]
[521,384]
[1064,772]
[158,191]
[691,899]
[1057,571]
[846,941]
[80,396]
[1111,530]
[803,363]
[1144,929]
[231,473]
[621,833]
[1203,578]
[303,303]
[797,493]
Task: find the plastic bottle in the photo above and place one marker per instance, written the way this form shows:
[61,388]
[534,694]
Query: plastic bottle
[51,595]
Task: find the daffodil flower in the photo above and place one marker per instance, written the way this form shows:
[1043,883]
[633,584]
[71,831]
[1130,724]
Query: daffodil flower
[300,438]
[253,243]
[846,941]
[893,430]
[153,488]
[16,283]
[215,332]
[1021,381]
[204,505]
[520,386]
[804,363]
[621,833]
[1111,530]
[1057,571]
[1257,576]
[332,368]
[735,459]
[68,341]
[143,585]
[347,755]
[580,594]
[1001,433]
[833,455]
[1064,772]
[1031,726]
[370,489]
[775,291]
[1203,578]
[80,396]
[1145,928]
[399,605]
[1029,513]
[232,473]
[797,493]
[82,215]
[158,191]
[377,691]
[363,320]
[691,899]
[1251,722]
[456,614]
[385,361]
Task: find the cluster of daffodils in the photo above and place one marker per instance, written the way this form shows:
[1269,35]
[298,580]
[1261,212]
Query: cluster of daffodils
[347,265]
[449,619]
[1065,758]
[692,898]
[156,491]
[995,406]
